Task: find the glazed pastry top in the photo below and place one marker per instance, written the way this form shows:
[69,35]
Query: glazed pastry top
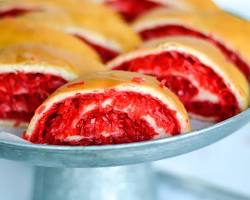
[110,83]
[44,48]
[197,5]
[15,31]
[46,59]
[207,53]
[204,5]
[82,16]
[235,35]
[118,81]
[112,79]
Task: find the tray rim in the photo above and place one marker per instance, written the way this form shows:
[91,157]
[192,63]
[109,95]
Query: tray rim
[124,146]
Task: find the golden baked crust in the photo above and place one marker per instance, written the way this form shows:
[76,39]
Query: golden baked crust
[27,47]
[198,5]
[112,79]
[207,53]
[83,16]
[117,80]
[21,42]
[234,35]
[40,58]
[190,5]
[15,31]
[44,59]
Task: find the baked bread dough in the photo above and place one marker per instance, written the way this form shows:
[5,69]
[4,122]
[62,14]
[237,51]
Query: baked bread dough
[93,23]
[34,63]
[131,9]
[231,39]
[109,107]
[210,87]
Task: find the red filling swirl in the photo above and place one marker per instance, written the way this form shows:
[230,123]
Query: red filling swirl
[14,12]
[178,71]
[131,9]
[21,93]
[105,53]
[177,30]
[111,117]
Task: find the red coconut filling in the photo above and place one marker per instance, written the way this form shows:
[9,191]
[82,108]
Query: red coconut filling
[176,71]
[94,121]
[105,53]
[131,9]
[176,30]
[15,12]
[21,93]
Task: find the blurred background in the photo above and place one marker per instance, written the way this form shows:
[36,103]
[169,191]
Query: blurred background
[220,171]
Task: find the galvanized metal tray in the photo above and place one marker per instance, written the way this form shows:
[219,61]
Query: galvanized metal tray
[105,172]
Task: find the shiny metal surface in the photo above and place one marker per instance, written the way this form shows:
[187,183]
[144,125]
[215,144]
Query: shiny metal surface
[86,182]
[115,155]
[133,182]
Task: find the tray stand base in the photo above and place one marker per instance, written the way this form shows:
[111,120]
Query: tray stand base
[133,182]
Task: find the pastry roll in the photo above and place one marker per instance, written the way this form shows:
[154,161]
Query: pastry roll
[33,65]
[231,39]
[209,86]
[111,107]
[131,9]
[95,24]
[18,31]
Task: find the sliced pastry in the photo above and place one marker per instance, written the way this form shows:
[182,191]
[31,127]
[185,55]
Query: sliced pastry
[33,66]
[92,23]
[111,107]
[212,27]
[209,86]
[131,9]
